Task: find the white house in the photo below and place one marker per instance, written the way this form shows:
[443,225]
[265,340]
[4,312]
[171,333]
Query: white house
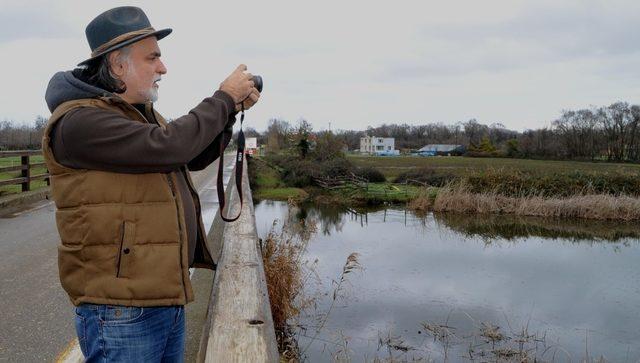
[378,145]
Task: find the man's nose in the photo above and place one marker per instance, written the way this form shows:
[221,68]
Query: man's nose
[161,68]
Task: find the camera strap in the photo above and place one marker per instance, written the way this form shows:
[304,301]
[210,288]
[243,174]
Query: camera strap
[239,165]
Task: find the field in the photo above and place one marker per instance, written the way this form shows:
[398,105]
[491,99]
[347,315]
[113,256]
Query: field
[460,166]
[15,160]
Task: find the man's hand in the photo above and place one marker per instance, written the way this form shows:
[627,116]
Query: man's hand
[253,98]
[240,87]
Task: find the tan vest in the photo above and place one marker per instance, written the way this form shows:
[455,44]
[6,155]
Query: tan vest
[123,238]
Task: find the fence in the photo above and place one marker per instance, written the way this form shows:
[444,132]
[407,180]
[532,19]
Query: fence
[25,167]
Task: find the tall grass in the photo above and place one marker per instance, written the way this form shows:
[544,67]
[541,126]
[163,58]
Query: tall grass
[282,253]
[458,197]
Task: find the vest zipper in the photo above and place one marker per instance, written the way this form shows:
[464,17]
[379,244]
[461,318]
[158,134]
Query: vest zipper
[175,200]
[120,251]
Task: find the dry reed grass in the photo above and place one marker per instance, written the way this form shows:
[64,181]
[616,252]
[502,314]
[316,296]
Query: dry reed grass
[282,253]
[423,202]
[457,197]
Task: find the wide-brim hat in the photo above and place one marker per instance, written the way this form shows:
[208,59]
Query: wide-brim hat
[117,28]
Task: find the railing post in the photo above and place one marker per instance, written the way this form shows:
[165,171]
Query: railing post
[26,173]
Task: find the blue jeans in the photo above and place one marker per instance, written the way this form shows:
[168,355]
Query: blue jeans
[112,333]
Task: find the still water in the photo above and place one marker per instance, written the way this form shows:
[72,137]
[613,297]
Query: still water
[466,288]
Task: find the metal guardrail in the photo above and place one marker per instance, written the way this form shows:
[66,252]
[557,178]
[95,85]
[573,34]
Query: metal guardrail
[25,167]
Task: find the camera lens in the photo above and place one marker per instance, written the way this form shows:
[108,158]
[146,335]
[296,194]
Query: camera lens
[257,81]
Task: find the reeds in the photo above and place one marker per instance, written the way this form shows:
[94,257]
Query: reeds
[285,275]
[457,197]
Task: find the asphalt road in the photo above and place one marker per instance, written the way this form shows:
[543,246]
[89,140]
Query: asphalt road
[36,317]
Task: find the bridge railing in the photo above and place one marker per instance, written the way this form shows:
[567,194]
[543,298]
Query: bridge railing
[24,167]
[239,326]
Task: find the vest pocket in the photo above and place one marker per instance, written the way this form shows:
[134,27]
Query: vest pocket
[127,239]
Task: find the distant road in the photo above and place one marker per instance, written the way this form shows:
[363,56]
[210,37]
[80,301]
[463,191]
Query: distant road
[36,320]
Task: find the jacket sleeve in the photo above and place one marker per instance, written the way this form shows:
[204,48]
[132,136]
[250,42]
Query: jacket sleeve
[98,139]
[212,152]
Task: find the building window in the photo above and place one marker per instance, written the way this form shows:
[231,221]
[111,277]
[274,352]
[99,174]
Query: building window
[379,147]
[388,147]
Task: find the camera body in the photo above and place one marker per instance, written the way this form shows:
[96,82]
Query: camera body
[257,81]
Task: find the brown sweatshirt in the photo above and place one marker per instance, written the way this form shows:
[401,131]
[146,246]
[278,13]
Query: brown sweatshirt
[92,138]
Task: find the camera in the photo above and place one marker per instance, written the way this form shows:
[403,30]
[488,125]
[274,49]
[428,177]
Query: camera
[257,82]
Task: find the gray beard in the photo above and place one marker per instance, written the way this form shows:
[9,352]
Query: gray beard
[152,94]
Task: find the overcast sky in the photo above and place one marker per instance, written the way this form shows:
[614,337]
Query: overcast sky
[353,63]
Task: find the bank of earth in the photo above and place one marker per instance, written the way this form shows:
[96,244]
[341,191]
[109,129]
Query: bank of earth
[470,185]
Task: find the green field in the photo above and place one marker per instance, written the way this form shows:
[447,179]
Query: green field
[459,166]
[13,161]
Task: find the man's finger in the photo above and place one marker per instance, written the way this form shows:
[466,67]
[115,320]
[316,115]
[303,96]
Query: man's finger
[241,68]
[249,76]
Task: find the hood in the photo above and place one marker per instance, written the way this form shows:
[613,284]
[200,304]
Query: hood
[65,86]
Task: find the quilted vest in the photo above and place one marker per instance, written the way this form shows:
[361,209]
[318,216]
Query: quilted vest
[123,240]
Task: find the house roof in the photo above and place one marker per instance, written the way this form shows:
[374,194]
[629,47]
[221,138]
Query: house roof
[377,137]
[441,147]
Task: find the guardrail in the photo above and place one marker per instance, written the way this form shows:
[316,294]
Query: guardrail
[24,168]
[239,325]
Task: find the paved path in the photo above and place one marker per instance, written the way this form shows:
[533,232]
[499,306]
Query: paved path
[36,317]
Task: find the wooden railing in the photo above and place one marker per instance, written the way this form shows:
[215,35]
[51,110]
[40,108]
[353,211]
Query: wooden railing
[25,167]
[239,326]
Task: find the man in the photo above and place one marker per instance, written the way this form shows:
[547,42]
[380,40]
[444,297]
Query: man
[127,212]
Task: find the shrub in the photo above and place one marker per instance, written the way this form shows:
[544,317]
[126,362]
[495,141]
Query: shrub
[299,173]
[424,176]
[373,175]
[336,167]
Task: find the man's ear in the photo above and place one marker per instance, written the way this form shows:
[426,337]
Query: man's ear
[116,64]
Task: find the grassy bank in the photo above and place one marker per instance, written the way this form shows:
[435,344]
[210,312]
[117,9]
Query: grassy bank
[459,166]
[267,183]
[14,161]
[511,177]
[459,198]
[547,189]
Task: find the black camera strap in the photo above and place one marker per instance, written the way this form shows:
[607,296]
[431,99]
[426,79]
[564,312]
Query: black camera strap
[239,165]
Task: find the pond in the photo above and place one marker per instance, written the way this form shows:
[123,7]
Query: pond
[465,288]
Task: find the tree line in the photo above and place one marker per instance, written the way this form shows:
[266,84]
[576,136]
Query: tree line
[22,137]
[610,133]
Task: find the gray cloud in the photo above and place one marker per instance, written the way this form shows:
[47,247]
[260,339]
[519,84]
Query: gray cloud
[20,24]
[357,63]
[537,35]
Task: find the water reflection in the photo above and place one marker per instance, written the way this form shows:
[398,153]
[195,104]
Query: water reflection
[572,291]
[513,227]
[488,227]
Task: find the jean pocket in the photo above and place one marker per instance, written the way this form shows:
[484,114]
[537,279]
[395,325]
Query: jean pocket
[116,314]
